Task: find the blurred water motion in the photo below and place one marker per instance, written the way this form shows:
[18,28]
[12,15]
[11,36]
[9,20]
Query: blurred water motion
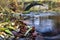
[44,22]
[41,21]
[46,26]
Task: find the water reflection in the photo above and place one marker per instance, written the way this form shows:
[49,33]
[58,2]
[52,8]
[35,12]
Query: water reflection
[46,26]
[43,22]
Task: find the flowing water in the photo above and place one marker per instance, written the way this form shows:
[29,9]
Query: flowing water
[43,22]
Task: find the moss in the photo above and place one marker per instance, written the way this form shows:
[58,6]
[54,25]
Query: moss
[26,12]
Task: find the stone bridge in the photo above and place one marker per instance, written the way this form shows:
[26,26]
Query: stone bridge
[28,5]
